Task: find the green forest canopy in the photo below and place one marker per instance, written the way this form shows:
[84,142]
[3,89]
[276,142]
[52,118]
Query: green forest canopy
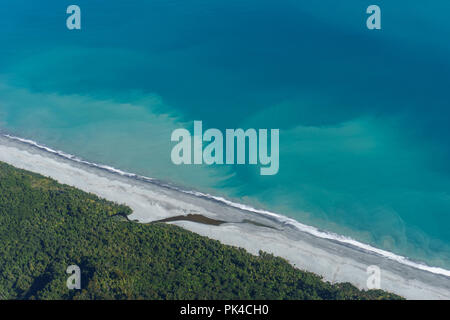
[46,226]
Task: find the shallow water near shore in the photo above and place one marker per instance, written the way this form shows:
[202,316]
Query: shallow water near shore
[362,116]
[336,258]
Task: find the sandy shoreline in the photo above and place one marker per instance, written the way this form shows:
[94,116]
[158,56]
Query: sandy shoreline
[334,261]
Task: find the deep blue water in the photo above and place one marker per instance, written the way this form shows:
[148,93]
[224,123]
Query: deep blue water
[363,115]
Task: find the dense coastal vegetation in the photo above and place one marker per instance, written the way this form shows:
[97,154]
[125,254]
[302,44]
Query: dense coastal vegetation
[46,226]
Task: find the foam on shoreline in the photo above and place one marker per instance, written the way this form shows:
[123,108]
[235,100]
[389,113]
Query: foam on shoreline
[280,218]
[170,207]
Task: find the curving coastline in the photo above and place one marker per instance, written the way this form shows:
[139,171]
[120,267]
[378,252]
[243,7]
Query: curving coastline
[213,207]
[278,217]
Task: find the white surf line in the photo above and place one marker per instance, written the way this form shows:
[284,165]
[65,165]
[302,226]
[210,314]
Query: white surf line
[280,218]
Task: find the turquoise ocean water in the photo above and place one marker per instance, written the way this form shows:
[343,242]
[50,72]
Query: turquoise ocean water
[363,115]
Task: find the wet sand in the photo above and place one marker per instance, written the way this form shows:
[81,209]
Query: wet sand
[151,202]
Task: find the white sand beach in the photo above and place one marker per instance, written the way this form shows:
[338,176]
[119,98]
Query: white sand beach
[334,260]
